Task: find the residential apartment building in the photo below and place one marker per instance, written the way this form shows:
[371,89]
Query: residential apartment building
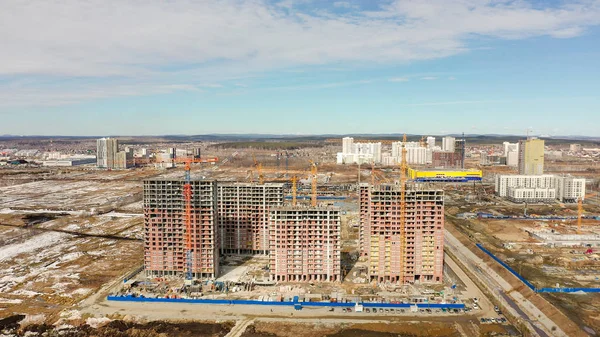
[540,188]
[531,156]
[354,153]
[243,221]
[165,228]
[106,150]
[305,244]
[416,256]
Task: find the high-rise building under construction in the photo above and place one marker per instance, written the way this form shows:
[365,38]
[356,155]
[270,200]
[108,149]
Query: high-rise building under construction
[410,254]
[305,244]
[165,245]
[531,156]
[243,221]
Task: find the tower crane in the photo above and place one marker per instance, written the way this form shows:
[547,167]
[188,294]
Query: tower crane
[403,169]
[294,190]
[258,166]
[187,196]
[313,173]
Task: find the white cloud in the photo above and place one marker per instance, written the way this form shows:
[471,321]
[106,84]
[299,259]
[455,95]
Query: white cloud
[429,78]
[451,78]
[159,42]
[344,4]
[398,79]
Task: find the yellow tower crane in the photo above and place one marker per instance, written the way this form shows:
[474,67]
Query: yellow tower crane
[258,167]
[294,189]
[313,173]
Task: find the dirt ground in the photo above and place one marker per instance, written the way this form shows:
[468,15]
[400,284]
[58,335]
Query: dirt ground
[120,328]
[51,262]
[544,267]
[263,329]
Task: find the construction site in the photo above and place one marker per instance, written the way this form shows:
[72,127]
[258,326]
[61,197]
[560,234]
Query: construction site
[252,230]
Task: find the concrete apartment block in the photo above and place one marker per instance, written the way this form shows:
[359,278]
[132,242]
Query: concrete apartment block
[305,244]
[165,229]
[364,201]
[421,259]
[243,223]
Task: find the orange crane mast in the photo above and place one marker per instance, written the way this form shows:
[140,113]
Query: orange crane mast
[187,196]
[258,166]
[294,190]
[313,173]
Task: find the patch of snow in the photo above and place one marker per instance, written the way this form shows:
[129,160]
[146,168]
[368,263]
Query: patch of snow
[70,257]
[71,314]
[32,244]
[121,215]
[26,293]
[97,253]
[33,319]
[10,301]
[81,291]
[60,287]
[96,322]
[72,227]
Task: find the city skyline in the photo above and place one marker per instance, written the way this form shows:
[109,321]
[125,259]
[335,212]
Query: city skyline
[300,67]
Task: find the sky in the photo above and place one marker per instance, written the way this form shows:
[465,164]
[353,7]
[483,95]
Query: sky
[133,67]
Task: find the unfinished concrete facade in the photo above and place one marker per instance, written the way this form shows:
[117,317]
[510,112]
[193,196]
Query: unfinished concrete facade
[243,223]
[305,244]
[421,259]
[165,229]
[364,202]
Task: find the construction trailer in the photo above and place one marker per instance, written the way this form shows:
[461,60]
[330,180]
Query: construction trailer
[165,233]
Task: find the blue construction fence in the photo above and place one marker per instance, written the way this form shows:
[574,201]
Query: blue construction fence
[284,303]
[531,286]
[319,197]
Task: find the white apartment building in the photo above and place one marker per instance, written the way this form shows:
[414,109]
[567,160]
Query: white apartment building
[415,153]
[512,158]
[511,152]
[448,144]
[539,188]
[531,194]
[570,189]
[430,142]
[354,153]
[106,150]
[509,147]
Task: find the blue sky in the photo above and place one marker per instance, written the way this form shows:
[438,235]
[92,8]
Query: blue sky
[299,67]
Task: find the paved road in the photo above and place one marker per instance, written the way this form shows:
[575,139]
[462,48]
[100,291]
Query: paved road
[501,288]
